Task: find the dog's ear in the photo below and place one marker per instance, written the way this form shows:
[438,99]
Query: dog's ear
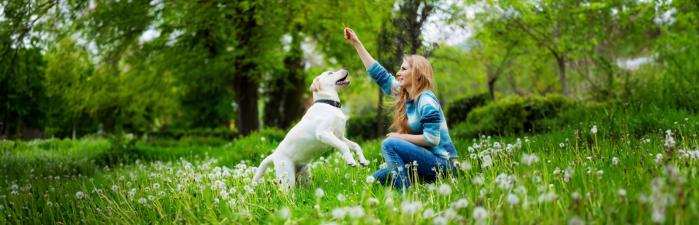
[315,86]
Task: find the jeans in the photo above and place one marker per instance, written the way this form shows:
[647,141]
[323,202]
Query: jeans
[398,152]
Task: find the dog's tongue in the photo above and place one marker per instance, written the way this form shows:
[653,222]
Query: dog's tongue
[343,82]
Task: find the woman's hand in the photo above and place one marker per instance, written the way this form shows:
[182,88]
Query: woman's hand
[417,139]
[351,37]
[395,135]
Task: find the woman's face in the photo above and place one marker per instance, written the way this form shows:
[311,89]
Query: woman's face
[405,75]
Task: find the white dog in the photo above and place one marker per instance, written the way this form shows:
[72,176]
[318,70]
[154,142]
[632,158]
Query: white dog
[321,127]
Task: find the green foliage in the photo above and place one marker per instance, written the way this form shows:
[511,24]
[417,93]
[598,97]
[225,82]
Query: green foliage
[363,127]
[458,109]
[253,147]
[512,115]
[679,53]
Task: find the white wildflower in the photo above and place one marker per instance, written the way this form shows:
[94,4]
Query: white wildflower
[339,213]
[615,161]
[658,158]
[79,195]
[486,161]
[115,187]
[461,203]
[142,201]
[594,129]
[576,221]
[512,199]
[622,192]
[429,212]
[440,220]
[410,208]
[465,165]
[355,212]
[658,216]
[669,140]
[370,179]
[284,213]
[373,201]
[528,159]
[341,197]
[478,180]
[320,193]
[504,181]
[480,213]
[561,145]
[444,189]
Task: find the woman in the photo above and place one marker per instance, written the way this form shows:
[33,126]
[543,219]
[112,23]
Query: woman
[422,140]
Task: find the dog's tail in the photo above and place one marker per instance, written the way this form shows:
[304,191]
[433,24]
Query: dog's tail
[262,168]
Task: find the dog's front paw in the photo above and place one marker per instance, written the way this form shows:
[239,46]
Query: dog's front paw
[364,162]
[351,163]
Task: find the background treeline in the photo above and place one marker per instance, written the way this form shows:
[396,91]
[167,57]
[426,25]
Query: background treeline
[179,69]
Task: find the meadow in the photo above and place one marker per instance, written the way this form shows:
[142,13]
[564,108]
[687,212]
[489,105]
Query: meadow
[581,176]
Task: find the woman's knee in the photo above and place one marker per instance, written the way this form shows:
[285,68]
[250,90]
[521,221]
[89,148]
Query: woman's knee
[389,144]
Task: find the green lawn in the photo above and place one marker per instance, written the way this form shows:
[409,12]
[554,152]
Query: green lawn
[558,178]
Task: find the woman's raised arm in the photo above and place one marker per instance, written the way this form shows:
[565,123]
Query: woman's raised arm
[352,38]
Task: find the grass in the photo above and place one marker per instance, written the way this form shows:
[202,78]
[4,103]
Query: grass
[572,177]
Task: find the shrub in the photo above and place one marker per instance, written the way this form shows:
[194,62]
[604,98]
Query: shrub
[512,115]
[252,147]
[363,127]
[458,109]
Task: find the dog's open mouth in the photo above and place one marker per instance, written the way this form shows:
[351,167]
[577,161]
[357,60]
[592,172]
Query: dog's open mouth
[343,81]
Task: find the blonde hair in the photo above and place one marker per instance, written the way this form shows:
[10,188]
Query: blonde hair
[421,71]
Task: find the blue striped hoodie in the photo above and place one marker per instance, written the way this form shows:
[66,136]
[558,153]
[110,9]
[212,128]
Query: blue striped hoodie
[425,116]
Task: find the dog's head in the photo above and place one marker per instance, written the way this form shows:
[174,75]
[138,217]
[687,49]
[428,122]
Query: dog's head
[331,81]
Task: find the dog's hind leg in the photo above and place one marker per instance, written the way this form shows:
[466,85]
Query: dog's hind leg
[303,175]
[286,173]
[262,168]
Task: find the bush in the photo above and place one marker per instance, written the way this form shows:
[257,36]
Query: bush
[252,147]
[512,115]
[177,134]
[363,127]
[458,109]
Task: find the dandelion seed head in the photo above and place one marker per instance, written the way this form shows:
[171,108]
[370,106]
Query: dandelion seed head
[370,179]
[284,213]
[339,213]
[410,208]
[79,195]
[440,220]
[444,189]
[622,192]
[575,220]
[461,203]
[480,213]
[429,212]
[512,199]
[355,212]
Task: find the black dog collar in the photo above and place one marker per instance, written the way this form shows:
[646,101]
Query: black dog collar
[329,102]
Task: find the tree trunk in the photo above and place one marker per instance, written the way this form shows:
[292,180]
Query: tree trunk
[561,72]
[286,103]
[246,97]
[491,86]
[245,85]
